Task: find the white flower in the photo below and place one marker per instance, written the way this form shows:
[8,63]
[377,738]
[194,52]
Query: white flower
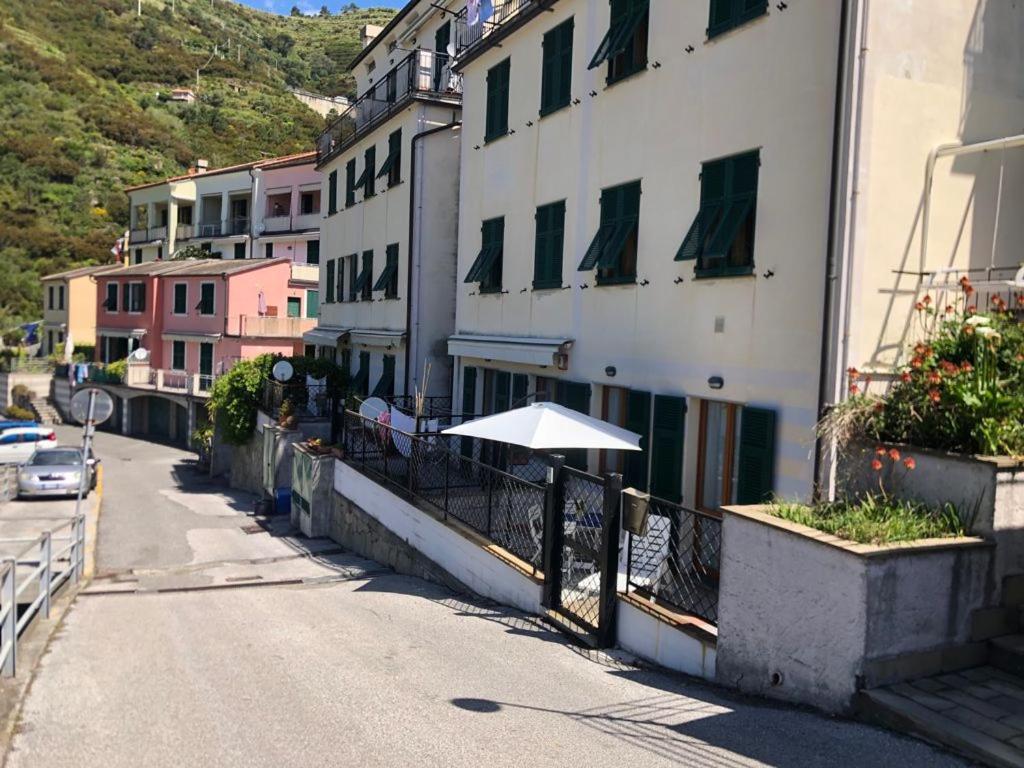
[977,320]
[989,333]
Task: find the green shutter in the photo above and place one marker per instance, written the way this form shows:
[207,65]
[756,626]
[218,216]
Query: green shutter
[496,121]
[756,456]
[469,391]
[577,397]
[313,252]
[329,282]
[638,419]
[729,14]
[626,16]
[312,303]
[350,183]
[386,384]
[362,380]
[502,383]
[556,68]
[332,192]
[294,307]
[520,389]
[549,246]
[667,447]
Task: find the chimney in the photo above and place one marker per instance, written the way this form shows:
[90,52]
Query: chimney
[202,165]
[368,33]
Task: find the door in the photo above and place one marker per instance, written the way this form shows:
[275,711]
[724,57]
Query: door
[442,37]
[205,365]
[294,306]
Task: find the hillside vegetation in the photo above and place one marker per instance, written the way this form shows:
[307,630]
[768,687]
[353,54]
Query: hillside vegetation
[84,112]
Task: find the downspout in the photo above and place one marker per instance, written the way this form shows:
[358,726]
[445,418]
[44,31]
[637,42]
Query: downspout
[412,219]
[839,250]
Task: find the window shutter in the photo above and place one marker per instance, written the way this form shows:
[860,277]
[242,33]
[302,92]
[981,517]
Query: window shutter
[469,391]
[126,297]
[313,252]
[329,282]
[577,397]
[667,447]
[638,419]
[142,297]
[332,192]
[520,389]
[312,303]
[756,456]
[340,294]
[502,382]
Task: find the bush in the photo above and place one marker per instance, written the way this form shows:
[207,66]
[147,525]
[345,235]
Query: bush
[22,396]
[236,396]
[117,370]
[962,390]
[17,413]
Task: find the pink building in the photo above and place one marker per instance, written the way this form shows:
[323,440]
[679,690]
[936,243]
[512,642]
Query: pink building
[194,319]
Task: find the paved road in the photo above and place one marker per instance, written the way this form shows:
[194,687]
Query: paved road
[328,660]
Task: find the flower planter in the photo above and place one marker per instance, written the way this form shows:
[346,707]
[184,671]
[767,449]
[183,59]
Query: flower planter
[987,490]
[811,618]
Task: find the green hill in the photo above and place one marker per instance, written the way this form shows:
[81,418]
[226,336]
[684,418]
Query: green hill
[84,112]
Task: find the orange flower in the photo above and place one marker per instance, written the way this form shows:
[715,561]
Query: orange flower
[854,389]
[966,367]
[894,454]
[880,451]
[909,462]
[927,300]
[853,373]
[1020,299]
[905,377]
[934,395]
[965,284]
[948,367]
[968,330]
[950,309]
[919,306]
[916,362]
[972,309]
[934,377]
[876,465]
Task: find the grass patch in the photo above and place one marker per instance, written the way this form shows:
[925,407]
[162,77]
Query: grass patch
[875,519]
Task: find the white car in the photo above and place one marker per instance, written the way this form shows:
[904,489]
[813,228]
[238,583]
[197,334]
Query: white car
[17,445]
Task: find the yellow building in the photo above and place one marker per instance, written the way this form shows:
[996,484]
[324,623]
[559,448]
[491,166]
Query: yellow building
[69,307]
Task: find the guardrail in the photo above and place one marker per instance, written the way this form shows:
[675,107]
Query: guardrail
[40,557]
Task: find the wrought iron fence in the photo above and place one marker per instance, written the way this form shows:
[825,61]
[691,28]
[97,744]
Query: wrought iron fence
[419,73]
[469,35]
[676,561]
[308,401]
[506,509]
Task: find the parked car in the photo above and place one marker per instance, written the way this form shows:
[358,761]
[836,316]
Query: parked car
[5,425]
[56,472]
[18,444]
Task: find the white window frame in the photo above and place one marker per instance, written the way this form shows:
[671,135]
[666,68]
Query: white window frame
[131,297]
[212,312]
[174,296]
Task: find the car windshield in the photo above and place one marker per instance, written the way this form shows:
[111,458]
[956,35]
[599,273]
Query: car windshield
[56,458]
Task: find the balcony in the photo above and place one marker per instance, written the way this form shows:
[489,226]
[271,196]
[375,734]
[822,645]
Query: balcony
[265,327]
[421,74]
[210,229]
[470,39]
[273,225]
[142,376]
[239,225]
[147,235]
[305,273]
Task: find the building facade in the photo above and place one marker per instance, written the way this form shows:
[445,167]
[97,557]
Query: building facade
[389,165]
[669,221]
[69,308]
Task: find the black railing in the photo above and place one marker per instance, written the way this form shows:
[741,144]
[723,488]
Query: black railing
[468,36]
[211,229]
[676,562]
[239,225]
[506,509]
[306,401]
[421,73]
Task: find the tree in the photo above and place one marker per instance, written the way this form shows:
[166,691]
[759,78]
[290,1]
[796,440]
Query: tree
[295,11]
[324,11]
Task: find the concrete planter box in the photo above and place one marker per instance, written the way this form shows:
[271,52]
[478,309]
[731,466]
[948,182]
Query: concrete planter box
[811,618]
[987,490]
[312,487]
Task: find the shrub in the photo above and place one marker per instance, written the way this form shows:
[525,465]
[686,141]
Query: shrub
[117,370]
[962,389]
[22,396]
[235,397]
[17,413]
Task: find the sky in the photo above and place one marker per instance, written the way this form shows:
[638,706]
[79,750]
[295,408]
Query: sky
[313,6]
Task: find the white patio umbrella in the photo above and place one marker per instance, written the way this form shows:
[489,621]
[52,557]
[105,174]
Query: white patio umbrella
[69,348]
[546,426]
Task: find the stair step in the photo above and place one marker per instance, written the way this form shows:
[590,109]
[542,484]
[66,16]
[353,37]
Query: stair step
[906,714]
[987,623]
[1007,653]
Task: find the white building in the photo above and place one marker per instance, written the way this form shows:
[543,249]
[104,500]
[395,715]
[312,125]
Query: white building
[390,179]
[689,218]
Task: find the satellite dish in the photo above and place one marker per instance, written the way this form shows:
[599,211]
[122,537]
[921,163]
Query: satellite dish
[282,371]
[102,405]
[141,355]
[372,407]
[450,50]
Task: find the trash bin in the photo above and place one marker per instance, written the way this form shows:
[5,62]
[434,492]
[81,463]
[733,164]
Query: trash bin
[284,501]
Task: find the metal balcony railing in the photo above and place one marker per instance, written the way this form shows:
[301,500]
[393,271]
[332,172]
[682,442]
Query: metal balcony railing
[420,74]
[297,223]
[239,225]
[184,232]
[470,35]
[210,229]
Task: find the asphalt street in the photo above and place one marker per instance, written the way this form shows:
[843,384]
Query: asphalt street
[208,640]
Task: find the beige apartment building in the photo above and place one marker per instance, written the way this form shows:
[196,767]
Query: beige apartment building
[69,308]
[690,218]
[390,167]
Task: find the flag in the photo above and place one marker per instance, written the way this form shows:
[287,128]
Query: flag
[473,12]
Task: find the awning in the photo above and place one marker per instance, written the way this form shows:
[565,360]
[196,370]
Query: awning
[190,336]
[529,350]
[376,338]
[324,336]
[122,333]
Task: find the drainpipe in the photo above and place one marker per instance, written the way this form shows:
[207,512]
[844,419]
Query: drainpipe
[255,174]
[842,219]
[414,202]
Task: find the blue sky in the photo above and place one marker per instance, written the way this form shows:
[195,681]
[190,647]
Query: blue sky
[312,6]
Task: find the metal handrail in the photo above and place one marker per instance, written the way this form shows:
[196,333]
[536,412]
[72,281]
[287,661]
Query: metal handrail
[42,573]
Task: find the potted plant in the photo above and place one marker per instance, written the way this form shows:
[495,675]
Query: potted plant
[287,418]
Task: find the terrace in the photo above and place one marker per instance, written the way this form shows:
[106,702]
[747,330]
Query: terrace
[473,38]
[420,75]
